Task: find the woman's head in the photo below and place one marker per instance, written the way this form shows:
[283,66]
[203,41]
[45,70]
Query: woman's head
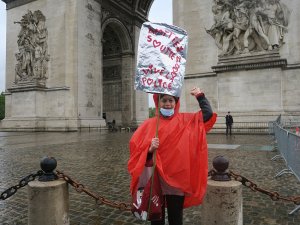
[165,104]
[167,101]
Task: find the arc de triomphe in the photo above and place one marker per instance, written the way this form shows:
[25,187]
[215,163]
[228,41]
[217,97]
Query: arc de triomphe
[70,63]
[246,56]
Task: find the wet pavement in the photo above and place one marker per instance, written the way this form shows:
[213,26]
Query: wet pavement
[99,161]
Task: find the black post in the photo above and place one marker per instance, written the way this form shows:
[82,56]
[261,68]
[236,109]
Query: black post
[48,165]
[220,165]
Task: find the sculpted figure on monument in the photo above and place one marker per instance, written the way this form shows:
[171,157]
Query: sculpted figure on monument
[215,31]
[33,55]
[245,26]
[227,33]
[240,25]
[222,30]
[255,28]
[277,19]
[26,55]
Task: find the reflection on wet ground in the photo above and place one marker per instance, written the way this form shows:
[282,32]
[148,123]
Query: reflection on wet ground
[99,161]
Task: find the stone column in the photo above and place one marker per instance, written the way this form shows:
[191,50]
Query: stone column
[223,203]
[48,203]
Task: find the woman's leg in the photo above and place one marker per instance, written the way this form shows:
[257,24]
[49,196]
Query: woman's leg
[175,209]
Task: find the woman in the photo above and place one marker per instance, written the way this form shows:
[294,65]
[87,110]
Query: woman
[181,153]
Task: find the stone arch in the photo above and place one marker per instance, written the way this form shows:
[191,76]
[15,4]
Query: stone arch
[143,7]
[118,57]
[121,31]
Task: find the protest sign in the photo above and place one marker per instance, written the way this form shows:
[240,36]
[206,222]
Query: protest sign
[161,59]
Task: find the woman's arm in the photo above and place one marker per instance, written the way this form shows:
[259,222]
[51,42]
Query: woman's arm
[203,103]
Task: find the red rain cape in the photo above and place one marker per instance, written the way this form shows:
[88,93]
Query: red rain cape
[181,158]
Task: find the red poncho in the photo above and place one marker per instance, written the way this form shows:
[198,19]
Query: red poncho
[181,158]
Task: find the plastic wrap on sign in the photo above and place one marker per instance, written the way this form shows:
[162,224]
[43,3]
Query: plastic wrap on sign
[161,60]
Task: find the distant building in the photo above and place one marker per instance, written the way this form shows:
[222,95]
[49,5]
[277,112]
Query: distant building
[245,56]
[71,62]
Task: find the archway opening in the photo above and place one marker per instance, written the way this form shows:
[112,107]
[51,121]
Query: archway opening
[112,78]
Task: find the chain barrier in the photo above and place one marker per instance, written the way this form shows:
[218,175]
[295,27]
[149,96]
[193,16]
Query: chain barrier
[275,196]
[99,199]
[22,183]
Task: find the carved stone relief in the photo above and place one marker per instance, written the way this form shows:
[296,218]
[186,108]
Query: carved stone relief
[114,101]
[33,55]
[112,87]
[91,11]
[243,26]
[105,14]
[111,42]
[108,13]
[112,73]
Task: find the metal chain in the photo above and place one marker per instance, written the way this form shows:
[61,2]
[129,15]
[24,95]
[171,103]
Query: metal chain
[22,183]
[99,199]
[275,196]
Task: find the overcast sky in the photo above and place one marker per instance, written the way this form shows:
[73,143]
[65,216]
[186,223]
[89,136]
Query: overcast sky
[161,11]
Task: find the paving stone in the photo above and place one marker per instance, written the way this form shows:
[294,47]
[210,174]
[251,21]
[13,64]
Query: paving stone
[99,161]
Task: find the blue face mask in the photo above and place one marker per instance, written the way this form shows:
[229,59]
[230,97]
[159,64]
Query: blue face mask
[167,112]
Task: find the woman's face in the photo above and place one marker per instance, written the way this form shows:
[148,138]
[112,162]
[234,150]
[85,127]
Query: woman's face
[167,102]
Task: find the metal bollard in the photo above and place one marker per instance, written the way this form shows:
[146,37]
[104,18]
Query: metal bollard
[48,165]
[48,197]
[222,204]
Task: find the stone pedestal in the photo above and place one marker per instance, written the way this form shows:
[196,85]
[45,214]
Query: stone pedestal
[34,108]
[48,203]
[223,203]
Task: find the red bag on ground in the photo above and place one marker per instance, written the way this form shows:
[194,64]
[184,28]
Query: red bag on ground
[140,202]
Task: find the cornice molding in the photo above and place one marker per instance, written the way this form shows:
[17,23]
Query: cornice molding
[251,66]
[118,8]
[15,3]
[200,75]
[261,60]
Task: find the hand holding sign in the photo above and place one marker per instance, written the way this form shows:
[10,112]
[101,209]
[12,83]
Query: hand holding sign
[161,59]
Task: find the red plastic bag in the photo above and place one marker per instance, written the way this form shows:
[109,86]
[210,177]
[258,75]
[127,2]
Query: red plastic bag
[140,202]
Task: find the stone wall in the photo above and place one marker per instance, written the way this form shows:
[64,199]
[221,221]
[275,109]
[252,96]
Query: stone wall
[89,63]
[54,105]
[256,86]
[70,96]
